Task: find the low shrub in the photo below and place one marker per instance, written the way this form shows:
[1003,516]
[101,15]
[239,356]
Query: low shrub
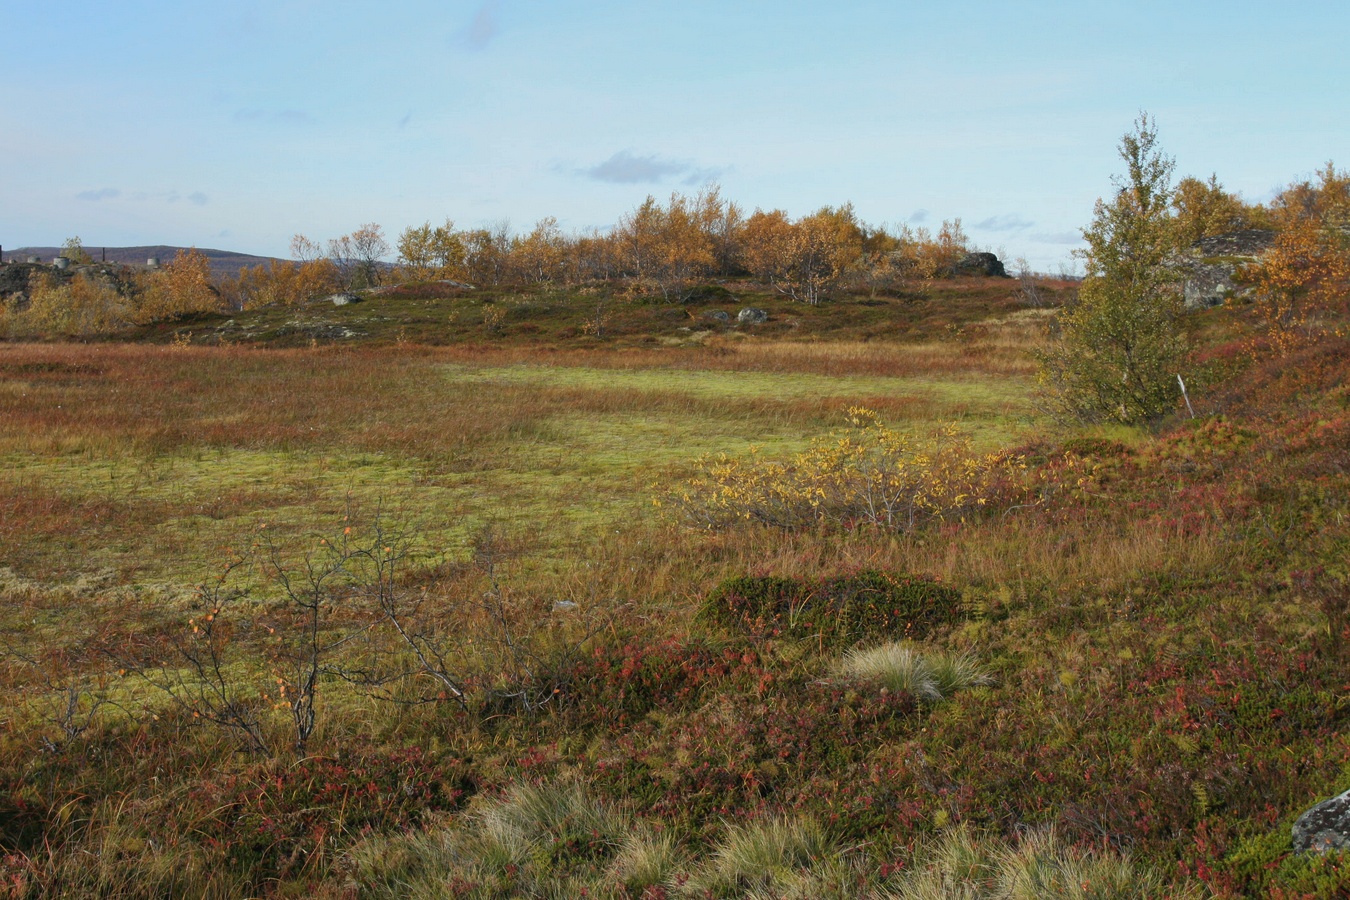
[836,611]
[868,475]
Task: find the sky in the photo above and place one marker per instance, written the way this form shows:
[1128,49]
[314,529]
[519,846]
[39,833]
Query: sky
[237,125]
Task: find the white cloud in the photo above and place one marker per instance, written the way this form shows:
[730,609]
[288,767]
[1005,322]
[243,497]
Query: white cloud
[1008,222]
[625,167]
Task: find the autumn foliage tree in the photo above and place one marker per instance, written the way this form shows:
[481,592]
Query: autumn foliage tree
[1306,274]
[1204,209]
[181,288]
[1303,275]
[807,258]
[284,283]
[427,252]
[672,246]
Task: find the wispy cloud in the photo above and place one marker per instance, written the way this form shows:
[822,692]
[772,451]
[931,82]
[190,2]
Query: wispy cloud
[403,122]
[625,167]
[273,116]
[484,27]
[1059,237]
[918,217]
[1008,222]
[196,198]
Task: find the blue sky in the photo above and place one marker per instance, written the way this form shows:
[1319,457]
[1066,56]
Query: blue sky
[237,125]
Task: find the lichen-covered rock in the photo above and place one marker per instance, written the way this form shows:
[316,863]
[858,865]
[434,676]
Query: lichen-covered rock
[752,315]
[717,315]
[344,298]
[1324,827]
[1209,266]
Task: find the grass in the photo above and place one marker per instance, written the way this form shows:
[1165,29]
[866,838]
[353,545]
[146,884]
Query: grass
[169,454]
[930,676]
[652,710]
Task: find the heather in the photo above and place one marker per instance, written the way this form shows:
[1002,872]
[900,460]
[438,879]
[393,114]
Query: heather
[833,605]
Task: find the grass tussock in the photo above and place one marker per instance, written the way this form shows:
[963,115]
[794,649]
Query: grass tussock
[1038,866]
[929,675]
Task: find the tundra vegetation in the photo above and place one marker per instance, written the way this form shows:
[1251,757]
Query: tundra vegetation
[562,585]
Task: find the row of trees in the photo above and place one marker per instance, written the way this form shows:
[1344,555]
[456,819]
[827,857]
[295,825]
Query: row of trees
[1120,349]
[663,249]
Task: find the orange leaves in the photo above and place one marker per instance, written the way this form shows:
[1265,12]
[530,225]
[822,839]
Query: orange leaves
[1305,274]
[181,288]
[803,259]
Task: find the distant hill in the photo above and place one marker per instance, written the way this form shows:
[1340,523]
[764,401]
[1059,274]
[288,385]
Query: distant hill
[223,262]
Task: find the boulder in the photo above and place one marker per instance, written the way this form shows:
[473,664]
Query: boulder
[344,298]
[752,315]
[1324,827]
[1209,267]
[986,264]
[717,315]
[14,277]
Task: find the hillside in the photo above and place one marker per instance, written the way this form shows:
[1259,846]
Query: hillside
[224,263]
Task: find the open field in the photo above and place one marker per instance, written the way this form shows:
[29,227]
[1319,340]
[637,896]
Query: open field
[1130,670]
[181,448]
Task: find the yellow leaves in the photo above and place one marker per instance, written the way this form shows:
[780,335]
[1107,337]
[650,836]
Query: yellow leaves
[180,288]
[867,475]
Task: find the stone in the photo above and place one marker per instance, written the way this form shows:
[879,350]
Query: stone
[1209,267]
[14,277]
[752,315]
[986,264]
[717,315]
[344,298]
[1324,827]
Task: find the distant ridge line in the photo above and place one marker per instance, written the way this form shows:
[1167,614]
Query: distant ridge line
[224,263]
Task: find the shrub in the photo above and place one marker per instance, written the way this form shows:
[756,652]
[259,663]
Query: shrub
[868,475]
[182,288]
[835,611]
[77,307]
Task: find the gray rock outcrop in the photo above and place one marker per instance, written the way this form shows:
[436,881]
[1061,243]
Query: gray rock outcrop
[344,298]
[986,264]
[752,315]
[717,315]
[1209,266]
[1324,827]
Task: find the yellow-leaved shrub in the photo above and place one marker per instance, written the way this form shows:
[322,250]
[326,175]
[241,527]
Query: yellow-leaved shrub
[75,307]
[181,288]
[868,474]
